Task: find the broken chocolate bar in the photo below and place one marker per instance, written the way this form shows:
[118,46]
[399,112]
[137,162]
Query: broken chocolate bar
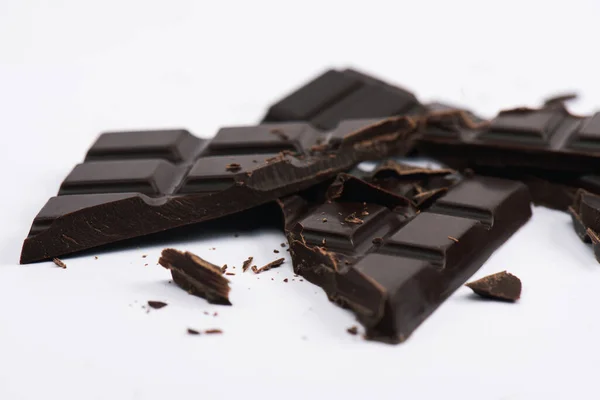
[398,265]
[339,95]
[136,183]
[585,213]
[499,286]
[196,275]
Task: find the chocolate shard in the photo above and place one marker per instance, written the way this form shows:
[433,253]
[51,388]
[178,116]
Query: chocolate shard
[196,275]
[271,265]
[137,183]
[401,263]
[157,305]
[499,286]
[246,264]
[338,95]
[59,263]
[191,331]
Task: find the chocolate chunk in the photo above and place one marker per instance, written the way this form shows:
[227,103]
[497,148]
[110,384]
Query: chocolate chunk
[286,280]
[272,264]
[192,331]
[59,263]
[353,330]
[275,251]
[197,276]
[338,95]
[282,244]
[137,183]
[246,264]
[499,286]
[394,285]
[157,305]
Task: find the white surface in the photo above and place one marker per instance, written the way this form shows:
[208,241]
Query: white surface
[71,69]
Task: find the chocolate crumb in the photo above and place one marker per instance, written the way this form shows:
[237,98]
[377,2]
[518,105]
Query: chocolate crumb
[215,314]
[206,313]
[272,264]
[285,280]
[192,331]
[224,268]
[233,167]
[95,257]
[353,330]
[282,244]
[229,273]
[287,249]
[213,331]
[145,265]
[246,264]
[275,251]
[272,279]
[453,239]
[499,286]
[59,263]
[353,219]
[157,305]
[301,280]
[144,255]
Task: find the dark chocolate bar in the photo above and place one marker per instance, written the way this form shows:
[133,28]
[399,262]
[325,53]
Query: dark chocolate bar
[585,213]
[375,248]
[549,139]
[336,95]
[136,183]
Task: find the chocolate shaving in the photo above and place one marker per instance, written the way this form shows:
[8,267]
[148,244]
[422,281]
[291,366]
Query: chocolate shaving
[353,330]
[60,263]
[196,275]
[272,264]
[213,331]
[233,167]
[230,273]
[246,264]
[192,331]
[352,219]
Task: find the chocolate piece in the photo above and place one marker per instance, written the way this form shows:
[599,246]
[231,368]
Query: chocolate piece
[585,213]
[275,251]
[399,265]
[548,138]
[286,280]
[59,263]
[246,264]
[136,183]
[353,330]
[230,273]
[338,95]
[157,305]
[192,331]
[224,268]
[197,276]
[499,286]
[213,331]
[272,264]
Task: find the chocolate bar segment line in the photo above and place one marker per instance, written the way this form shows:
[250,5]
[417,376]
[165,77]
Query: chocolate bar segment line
[107,200]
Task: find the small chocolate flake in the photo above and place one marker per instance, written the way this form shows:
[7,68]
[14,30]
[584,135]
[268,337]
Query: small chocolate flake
[301,280]
[95,257]
[224,268]
[272,264]
[353,330]
[59,263]
[353,219]
[145,265]
[206,313]
[285,280]
[287,249]
[233,167]
[254,269]
[144,255]
[453,239]
[272,279]
[275,251]
[215,314]
[157,305]
[282,244]
[499,286]
[246,264]
[229,273]
[192,331]
[213,331]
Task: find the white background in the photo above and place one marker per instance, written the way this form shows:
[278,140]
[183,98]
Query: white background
[71,69]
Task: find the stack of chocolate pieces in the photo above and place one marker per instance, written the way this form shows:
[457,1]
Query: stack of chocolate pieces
[390,245]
